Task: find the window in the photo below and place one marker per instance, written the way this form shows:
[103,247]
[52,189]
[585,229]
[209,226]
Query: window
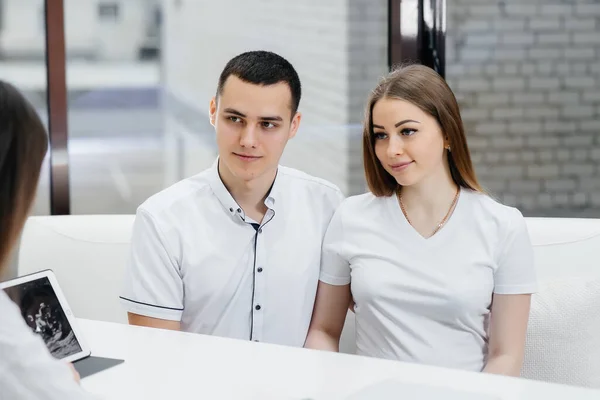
[108,11]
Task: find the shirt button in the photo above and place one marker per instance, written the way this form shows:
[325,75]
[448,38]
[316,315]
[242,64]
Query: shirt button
[257,307]
[259,269]
[230,209]
[260,230]
[239,210]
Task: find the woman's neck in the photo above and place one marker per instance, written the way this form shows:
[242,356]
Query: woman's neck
[429,196]
[429,202]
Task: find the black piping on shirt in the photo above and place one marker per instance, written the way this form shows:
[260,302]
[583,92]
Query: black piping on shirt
[151,305]
[256,227]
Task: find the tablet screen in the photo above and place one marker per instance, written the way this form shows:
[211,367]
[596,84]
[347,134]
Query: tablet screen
[43,313]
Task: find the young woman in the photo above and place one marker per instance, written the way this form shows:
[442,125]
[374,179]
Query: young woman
[439,272]
[27,370]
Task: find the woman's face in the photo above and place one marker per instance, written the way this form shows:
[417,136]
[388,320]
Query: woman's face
[409,142]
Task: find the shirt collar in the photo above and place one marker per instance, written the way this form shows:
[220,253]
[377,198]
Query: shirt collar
[229,203]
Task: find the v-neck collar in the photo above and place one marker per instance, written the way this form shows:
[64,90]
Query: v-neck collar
[445,230]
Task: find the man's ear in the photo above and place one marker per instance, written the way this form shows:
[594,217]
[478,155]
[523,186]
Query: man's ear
[295,124]
[212,111]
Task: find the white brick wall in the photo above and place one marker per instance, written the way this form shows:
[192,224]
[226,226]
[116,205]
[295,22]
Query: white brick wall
[339,48]
[527,75]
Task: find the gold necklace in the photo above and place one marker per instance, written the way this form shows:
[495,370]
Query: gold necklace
[442,222]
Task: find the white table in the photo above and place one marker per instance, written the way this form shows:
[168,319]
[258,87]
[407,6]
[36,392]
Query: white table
[162,364]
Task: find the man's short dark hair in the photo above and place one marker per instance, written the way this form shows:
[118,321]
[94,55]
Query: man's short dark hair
[263,68]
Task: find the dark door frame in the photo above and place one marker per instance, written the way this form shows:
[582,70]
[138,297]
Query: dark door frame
[417,33]
[60,203]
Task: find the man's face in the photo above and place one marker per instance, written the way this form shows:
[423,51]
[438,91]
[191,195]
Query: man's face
[253,124]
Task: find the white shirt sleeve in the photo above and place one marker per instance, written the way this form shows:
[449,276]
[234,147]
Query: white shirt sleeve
[515,273]
[153,284]
[335,268]
[27,369]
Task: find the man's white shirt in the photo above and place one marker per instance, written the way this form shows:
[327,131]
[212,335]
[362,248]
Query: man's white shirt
[196,258]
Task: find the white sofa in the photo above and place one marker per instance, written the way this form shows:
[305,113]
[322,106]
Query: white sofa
[563,339]
[88,254]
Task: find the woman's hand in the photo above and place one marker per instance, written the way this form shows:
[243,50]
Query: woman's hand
[75,373]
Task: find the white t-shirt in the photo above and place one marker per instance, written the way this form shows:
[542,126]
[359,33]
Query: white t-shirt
[427,300]
[196,258]
[27,370]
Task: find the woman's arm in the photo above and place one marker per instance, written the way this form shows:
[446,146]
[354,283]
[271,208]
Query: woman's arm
[329,315]
[508,328]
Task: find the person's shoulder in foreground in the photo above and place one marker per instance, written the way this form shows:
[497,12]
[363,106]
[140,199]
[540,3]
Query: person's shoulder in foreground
[27,370]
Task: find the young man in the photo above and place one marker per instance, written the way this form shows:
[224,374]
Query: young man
[235,250]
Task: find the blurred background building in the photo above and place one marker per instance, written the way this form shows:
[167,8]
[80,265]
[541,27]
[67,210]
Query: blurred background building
[140,74]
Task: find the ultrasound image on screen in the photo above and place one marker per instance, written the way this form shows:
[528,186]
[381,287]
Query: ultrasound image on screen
[44,315]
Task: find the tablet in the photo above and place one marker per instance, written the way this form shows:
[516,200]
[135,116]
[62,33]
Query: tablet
[46,311]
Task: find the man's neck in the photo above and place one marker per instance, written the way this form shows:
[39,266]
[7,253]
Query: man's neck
[250,195]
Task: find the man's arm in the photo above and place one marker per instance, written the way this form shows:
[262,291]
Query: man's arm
[153,287]
[140,320]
